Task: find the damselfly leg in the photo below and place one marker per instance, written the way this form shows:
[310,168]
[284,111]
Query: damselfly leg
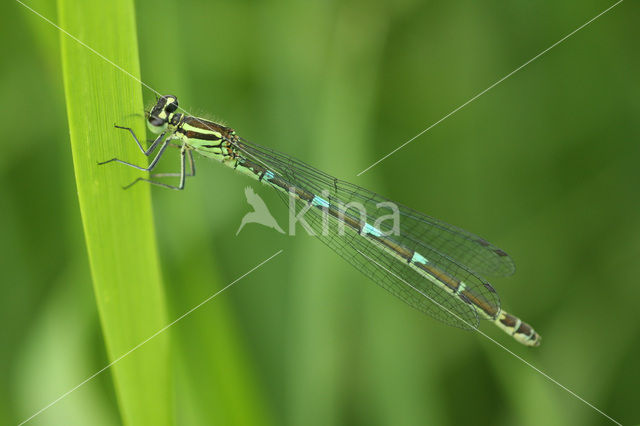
[147,152]
[153,145]
[183,175]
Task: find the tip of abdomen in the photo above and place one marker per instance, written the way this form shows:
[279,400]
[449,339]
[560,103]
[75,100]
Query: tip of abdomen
[518,329]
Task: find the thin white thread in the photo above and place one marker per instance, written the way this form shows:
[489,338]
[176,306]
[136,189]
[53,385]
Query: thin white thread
[391,153]
[100,55]
[88,47]
[146,340]
[491,87]
[551,379]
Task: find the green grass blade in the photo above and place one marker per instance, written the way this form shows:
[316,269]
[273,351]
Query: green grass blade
[118,224]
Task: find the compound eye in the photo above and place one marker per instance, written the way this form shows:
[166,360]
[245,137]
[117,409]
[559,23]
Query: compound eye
[171,103]
[171,107]
[156,121]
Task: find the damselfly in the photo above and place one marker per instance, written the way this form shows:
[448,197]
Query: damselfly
[432,266]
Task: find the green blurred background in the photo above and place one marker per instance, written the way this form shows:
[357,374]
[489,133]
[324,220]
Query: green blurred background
[545,165]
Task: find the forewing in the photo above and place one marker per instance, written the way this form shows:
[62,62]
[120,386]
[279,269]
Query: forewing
[443,245]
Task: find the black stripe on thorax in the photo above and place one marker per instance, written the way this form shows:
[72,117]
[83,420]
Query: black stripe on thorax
[197,135]
[202,124]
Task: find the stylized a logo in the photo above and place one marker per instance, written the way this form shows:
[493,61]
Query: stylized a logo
[260,213]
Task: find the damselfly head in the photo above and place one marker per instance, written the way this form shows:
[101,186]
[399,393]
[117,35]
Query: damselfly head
[161,113]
